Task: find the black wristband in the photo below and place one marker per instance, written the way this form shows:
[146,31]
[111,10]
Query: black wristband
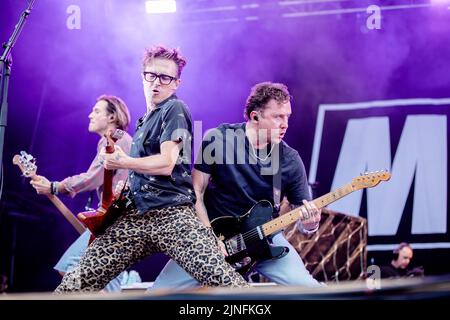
[54,187]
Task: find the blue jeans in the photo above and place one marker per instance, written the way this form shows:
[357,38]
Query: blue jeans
[73,255]
[288,270]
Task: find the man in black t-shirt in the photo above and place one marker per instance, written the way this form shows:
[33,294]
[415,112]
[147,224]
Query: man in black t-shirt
[236,167]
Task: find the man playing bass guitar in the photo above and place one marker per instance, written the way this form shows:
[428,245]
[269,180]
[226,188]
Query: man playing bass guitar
[108,113]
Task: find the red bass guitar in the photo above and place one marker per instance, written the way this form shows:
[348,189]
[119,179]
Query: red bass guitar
[97,221]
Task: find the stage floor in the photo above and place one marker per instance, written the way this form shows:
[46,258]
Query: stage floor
[400,289]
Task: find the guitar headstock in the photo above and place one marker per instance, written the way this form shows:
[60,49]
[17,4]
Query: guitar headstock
[113,135]
[26,163]
[370,179]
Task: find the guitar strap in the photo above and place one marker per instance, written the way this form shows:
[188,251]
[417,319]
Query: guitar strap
[88,207]
[124,188]
[276,166]
[126,197]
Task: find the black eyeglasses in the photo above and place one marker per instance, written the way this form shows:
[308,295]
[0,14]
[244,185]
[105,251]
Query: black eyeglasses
[163,78]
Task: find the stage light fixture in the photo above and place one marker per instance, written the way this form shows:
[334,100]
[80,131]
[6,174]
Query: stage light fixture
[160,6]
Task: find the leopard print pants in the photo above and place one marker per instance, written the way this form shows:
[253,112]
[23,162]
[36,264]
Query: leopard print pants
[175,231]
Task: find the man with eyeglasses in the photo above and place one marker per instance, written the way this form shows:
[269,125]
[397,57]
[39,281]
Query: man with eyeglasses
[159,214]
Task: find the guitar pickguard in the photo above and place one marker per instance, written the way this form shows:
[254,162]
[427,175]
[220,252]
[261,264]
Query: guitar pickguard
[235,244]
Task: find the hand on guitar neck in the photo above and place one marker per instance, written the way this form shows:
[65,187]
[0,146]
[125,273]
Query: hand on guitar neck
[43,185]
[310,217]
[113,157]
[27,164]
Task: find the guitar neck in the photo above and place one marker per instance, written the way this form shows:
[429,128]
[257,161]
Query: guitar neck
[28,168]
[67,213]
[107,196]
[292,216]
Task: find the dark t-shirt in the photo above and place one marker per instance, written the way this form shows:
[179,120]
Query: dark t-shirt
[169,121]
[239,179]
[389,271]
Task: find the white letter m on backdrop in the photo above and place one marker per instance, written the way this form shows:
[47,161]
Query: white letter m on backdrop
[421,154]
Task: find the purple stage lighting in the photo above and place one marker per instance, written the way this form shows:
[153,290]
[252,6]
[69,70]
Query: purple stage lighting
[440,1]
[160,6]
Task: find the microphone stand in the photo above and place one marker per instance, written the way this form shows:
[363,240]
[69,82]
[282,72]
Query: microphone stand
[5,67]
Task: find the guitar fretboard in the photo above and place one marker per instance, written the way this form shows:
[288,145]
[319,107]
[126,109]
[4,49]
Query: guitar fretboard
[292,216]
[26,163]
[67,213]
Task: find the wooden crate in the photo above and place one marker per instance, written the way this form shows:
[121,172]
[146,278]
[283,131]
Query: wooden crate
[337,251]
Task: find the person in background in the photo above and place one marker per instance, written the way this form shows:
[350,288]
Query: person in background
[400,264]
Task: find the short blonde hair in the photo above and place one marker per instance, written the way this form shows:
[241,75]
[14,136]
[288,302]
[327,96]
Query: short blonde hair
[164,53]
